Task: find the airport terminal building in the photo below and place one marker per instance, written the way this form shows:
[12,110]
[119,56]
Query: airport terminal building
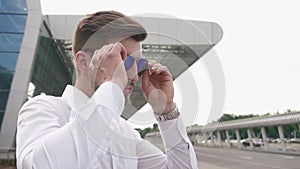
[36,57]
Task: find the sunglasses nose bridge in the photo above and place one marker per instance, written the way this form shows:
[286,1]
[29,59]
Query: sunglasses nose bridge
[142,64]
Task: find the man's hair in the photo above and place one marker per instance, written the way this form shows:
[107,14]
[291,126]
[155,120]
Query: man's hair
[100,28]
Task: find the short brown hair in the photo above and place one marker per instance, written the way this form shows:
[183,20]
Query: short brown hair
[100,28]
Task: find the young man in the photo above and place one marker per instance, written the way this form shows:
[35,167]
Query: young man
[83,128]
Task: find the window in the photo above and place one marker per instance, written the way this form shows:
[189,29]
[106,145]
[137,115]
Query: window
[12,23]
[13,6]
[8,61]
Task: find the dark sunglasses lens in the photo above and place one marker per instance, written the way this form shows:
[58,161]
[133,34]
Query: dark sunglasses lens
[142,65]
[128,62]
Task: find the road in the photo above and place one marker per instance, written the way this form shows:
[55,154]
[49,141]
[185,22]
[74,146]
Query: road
[217,158]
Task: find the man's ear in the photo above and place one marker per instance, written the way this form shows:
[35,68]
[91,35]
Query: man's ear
[82,61]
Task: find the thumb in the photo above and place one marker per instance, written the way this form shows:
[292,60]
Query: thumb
[146,84]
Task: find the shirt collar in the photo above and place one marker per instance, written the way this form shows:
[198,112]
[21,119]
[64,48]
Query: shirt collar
[74,97]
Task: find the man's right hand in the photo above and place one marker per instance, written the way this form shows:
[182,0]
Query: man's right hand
[107,65]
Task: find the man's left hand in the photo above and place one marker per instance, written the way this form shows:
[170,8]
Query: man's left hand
[157,87]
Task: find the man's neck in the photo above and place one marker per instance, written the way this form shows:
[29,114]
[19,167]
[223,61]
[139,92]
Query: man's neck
[86,89]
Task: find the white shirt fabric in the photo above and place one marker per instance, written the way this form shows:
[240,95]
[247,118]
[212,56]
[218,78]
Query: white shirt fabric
[78,132]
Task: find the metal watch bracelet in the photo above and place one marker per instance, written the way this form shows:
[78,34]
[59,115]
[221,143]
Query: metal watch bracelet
[167,116]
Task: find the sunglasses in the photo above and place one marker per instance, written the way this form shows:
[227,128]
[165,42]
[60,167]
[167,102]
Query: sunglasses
[142,64]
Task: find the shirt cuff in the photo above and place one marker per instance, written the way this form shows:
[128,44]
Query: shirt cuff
[111,96]
[173,132]
[99,118]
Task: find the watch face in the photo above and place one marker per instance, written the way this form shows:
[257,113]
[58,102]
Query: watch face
[169,116]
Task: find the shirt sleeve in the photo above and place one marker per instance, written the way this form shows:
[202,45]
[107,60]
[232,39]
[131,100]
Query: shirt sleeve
[46,139]
[178,148]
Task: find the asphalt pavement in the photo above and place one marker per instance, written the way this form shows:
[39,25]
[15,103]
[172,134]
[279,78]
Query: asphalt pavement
[223,158]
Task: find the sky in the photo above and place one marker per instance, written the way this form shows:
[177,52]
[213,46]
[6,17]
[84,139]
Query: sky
[259,52]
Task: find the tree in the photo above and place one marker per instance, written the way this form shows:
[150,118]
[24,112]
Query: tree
[226,117]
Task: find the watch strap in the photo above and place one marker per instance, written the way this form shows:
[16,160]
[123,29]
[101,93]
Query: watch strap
[167,116]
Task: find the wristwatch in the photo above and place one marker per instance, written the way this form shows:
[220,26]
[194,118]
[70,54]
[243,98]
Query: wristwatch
[167,116]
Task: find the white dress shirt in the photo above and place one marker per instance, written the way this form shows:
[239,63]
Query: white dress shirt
[78,132]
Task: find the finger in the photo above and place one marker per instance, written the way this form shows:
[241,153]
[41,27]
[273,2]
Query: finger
[118,49]
[100,54]
[156,68]
[160,78]
[145,83]
[150,64]
[163,70]
[161,74]
[123,51]
[145,78]
[103,51]
[119,76]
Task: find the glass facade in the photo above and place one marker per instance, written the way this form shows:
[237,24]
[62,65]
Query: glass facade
[53,68]
[13,15]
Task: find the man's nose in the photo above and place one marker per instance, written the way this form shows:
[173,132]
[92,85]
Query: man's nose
[132,73]
[135,78]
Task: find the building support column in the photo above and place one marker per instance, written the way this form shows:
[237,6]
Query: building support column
[212,139]
[238,137]
[298,128]
[205,138]
[197,139]
[281,137]
[249,132]
[228,143]
[219,139]
[264,136]
[193,138]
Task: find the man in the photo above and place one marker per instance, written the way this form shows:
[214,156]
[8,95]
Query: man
[83,128]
